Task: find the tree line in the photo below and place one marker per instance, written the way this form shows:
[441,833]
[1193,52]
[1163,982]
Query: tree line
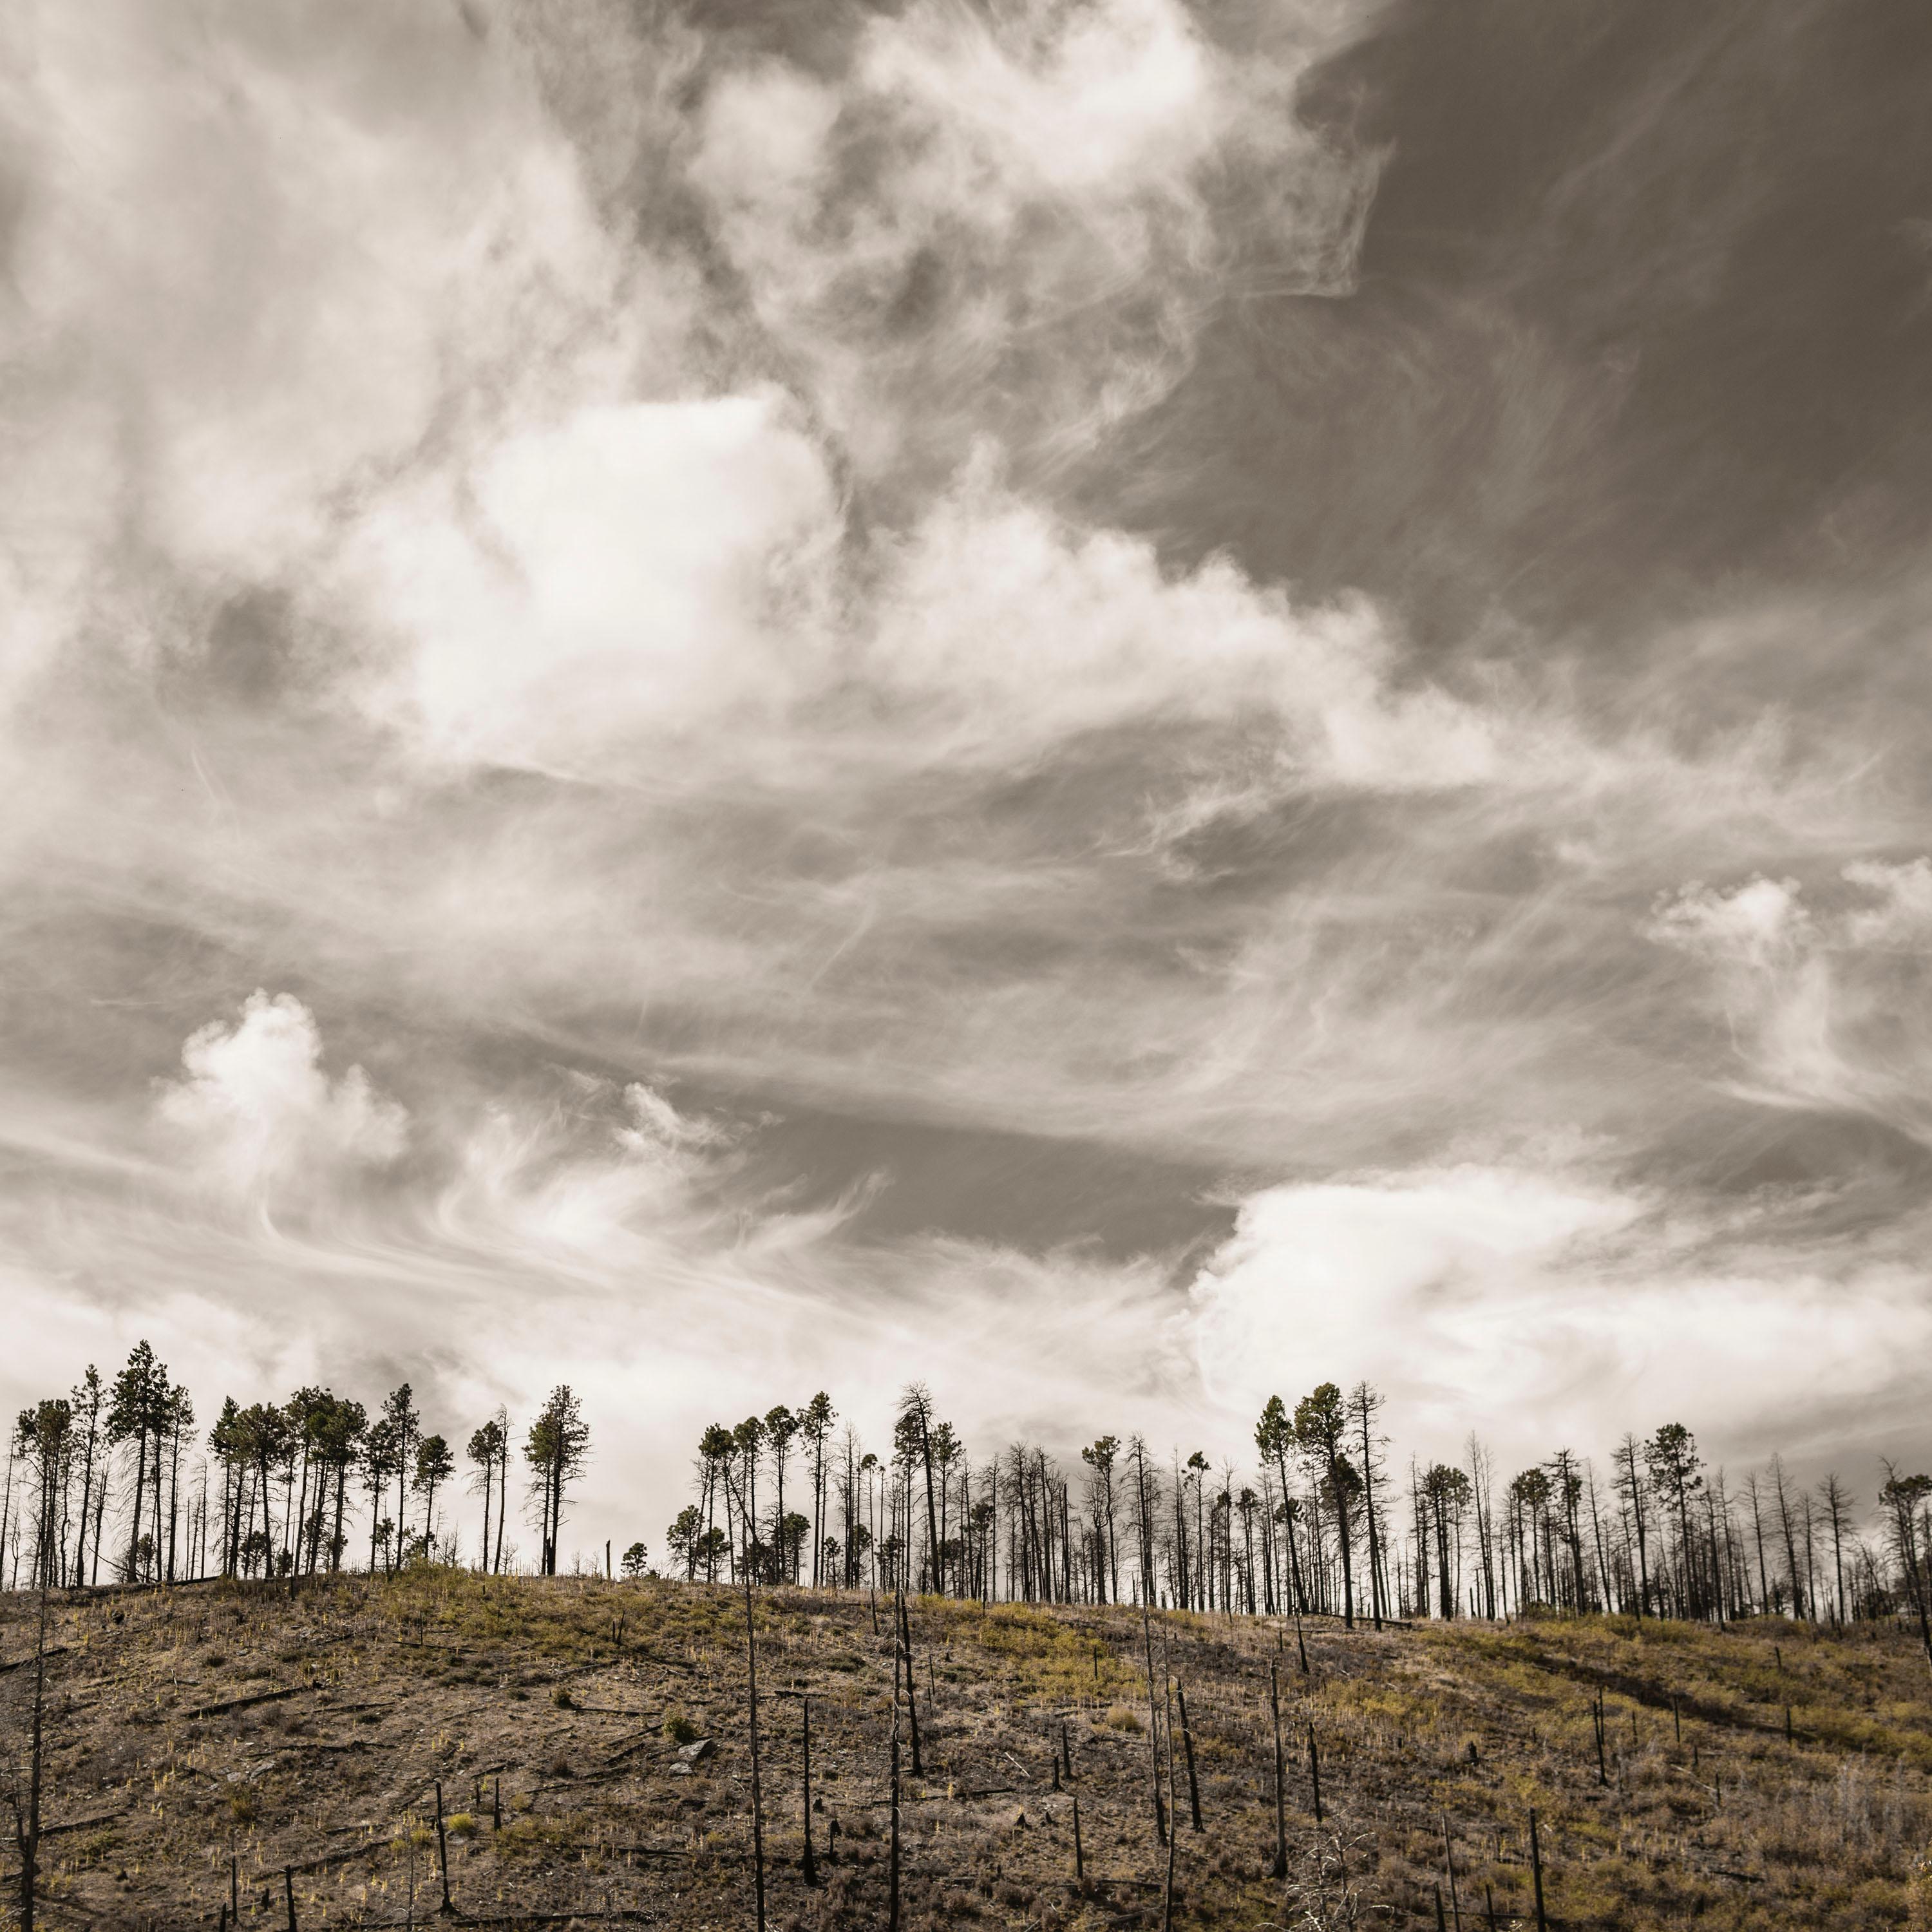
[110,1482]
[1314,1524]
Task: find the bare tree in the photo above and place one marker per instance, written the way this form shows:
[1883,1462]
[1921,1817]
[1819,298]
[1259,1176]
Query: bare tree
[1782,1495]
[1837,1504]
[1902,1496]
[43,1438]
[1364,1405]
[1630,1487]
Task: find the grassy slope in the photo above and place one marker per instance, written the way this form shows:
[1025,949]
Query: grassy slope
[561,1692]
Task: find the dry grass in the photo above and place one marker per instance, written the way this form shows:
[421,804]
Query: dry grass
[561,1707]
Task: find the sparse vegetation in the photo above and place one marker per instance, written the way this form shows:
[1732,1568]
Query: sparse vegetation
[1711,1698]
[1435,1741]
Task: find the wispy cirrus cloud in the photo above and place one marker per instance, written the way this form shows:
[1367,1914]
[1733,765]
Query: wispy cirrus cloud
[1823,1004]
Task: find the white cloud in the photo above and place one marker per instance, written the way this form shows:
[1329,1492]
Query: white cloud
[1005,632]
[1761,925]
[1538,1307]
[267,258]
[603,407]
[633,571]
[1010,206]
[659,1124]
[1901,920]
[1826,1008]
[259,1112]
[1356,1271]
[1108,101]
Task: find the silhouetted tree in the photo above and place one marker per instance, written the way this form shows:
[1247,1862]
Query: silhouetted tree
[748,1445]
[1100,1456]
[1670,1457]
[816,1420]
[1320,1425]
[1837,1504]
[1274,1438]
[400,1412]
[1630,1485]
[1364,1404]
[341,1430]
[1448,1493]
[381,1457]
[1903,1497]
[555,1449]
[134,1414]
[486,1452]
[435,1465]
[780,1426]
[684,1537]
[89,1400]
[915,1421]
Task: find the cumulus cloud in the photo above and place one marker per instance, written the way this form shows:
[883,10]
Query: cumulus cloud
[632,571]
[594,597]
[1538,1304]
[1759,925]
[257,1109]
[1007,633]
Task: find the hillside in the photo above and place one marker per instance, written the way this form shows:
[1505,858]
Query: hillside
[308,1733]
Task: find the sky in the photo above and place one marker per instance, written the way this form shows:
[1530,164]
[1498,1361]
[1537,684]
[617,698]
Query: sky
[1123,704]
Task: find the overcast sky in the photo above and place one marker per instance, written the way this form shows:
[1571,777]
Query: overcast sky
[1124,704]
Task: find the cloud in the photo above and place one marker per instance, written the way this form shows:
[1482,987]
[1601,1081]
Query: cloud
[1824,1006]
[623,574]
[1006,634]
[561,535]
[1337,1271]
[258,1112]
[1760,925]
[1002,223]
[264,261]
[670,589]
[1538,1305]
[1901,920]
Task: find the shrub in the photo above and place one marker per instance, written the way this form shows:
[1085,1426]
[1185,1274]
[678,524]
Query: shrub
[680,1729]
[562,1698]
[460,1825]
[1123,1717]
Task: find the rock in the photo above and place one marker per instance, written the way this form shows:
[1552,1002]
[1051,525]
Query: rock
[680,1770]
[696,1752]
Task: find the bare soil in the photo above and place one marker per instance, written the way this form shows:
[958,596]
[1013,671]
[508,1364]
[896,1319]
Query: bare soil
[291,1746]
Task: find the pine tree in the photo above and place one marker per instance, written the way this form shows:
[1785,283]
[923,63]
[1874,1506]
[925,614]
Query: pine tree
[556,1449]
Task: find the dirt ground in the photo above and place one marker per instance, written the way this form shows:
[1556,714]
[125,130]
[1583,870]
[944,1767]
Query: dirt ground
[591,1745]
